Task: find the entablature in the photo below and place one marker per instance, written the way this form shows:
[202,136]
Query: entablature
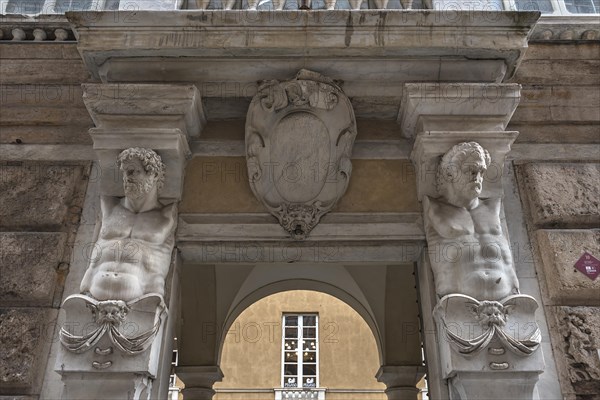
[372,53]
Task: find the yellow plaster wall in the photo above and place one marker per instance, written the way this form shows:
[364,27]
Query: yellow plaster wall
[252,352]
[220,185]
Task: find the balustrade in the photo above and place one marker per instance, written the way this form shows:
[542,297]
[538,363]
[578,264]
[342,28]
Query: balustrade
[546,7]
[300,394]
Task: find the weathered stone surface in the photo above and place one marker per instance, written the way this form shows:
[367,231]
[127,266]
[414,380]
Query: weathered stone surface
[24,336]
[555,133]
[563,195]
[559,251]
[43,71]
[571,72]
[28,264]
[575,333]
[38,196]
[159,5]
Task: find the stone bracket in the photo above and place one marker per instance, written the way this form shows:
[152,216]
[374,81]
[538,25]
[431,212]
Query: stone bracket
[155,116]
[457,107]
[476,350]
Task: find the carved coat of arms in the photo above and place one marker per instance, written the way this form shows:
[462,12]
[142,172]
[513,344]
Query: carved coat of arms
[299,137]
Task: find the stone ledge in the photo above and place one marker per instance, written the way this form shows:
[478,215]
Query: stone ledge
[375,51]
[549,28]
[521,153]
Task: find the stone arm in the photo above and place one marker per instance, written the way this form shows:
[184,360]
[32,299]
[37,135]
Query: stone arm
[170,212]
[154,280]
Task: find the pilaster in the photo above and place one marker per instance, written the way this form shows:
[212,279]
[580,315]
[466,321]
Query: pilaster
[118,331]
[486,335]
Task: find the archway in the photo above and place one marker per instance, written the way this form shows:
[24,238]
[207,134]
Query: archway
[345,350]
[334,280]
[382,295]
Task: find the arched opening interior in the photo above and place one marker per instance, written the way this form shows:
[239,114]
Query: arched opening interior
[257,357]
[383,297]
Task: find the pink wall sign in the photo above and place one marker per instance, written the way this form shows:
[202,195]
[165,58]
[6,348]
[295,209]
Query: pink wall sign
[588,265]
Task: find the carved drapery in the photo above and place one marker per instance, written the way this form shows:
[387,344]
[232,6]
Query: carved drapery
[133,245]
[299,137]
[109,318]
[508,321]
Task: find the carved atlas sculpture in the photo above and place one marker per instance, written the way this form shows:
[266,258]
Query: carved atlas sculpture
[131,257]
[475,279]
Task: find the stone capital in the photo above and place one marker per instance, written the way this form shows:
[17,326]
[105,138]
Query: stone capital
[199,380]
[439,116]
[162,117]
[401,380]
[457,106]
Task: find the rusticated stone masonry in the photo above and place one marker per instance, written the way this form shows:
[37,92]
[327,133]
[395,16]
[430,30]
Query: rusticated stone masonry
[562,202]
[40,210]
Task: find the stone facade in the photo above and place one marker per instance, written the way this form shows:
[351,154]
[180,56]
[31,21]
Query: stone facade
[565,196]
[365,249]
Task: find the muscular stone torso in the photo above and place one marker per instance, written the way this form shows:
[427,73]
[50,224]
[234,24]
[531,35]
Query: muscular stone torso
[468,251]
[132,254]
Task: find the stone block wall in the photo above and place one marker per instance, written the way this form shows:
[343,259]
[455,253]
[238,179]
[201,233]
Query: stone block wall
[561,203]
[40,210]
[40,200]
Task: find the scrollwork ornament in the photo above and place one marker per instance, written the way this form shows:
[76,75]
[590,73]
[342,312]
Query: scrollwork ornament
[299,138]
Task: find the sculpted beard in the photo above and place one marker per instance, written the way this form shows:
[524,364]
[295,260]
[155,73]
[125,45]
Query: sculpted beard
[136,189]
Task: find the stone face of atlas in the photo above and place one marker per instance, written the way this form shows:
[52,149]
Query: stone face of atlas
[468,251]
[134,236]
